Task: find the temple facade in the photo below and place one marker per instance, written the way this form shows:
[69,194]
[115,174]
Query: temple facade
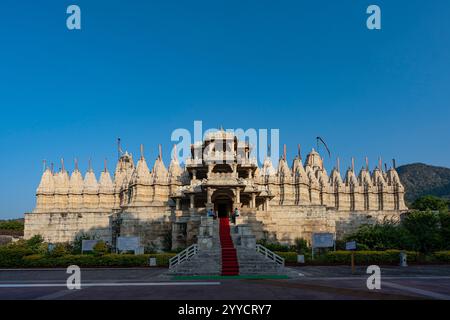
[163,206]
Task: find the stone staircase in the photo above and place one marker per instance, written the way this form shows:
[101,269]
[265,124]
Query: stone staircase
[208,260]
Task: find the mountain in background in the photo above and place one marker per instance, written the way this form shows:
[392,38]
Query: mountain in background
[420,179]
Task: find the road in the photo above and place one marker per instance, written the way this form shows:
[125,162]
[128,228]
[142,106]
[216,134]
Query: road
[313,282]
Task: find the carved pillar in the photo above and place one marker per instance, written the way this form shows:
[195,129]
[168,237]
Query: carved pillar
[177,204]
[194,174]
[192,199]
[209,195]
[238,195]
[249,173]
[267,204]
[253,202]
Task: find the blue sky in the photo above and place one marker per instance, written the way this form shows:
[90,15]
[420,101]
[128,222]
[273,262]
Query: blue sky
[140,69]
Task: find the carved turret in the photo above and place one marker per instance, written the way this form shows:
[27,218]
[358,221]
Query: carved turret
[106,190]
[90,190]
[76,189]
[141,182]
[45,192]
[62,182]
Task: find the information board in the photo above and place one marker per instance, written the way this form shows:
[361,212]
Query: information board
[88,245]
[128,243]
[322,240]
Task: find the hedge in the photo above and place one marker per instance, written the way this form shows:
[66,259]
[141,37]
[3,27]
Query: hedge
[289,257]
[86,260]
[368,257]
[362,257]
[442,256]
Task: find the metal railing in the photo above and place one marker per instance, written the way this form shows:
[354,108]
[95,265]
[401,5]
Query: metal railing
[270,255]
[183,256]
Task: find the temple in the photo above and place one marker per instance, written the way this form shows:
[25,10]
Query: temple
[164,206]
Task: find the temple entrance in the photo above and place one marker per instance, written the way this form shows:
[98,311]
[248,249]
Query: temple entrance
[222,210]
[223,203]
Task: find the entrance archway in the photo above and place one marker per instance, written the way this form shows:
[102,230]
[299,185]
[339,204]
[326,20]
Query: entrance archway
[223,203]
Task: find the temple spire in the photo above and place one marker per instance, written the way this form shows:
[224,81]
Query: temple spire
[353,164]
[175,155]
[142,151]
[76,164]
[284,152]
[379,164]
[160,151]
[299,152]
[338,164]
[119,148]
[367,163]
[105,165]
[90,165]
[44,164]
[62,165]
[393,164]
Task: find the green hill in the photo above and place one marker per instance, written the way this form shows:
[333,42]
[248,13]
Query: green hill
[421,179]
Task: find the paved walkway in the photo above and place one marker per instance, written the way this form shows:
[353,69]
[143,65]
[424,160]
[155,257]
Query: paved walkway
[313,282]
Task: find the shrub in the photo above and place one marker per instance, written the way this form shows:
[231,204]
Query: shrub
[442,256]
[11,256]
[77,243]
[100,248]
[274,246]
[59,250]
[301,245]
[289,257]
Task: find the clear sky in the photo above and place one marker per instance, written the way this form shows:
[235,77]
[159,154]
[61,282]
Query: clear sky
[140,69]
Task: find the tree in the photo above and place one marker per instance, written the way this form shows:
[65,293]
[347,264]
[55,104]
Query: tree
[432,203]
[424,228]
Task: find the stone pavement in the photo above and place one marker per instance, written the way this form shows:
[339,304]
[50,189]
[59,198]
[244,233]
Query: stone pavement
[313,282]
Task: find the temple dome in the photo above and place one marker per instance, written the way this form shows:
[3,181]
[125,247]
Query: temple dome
[175,169]
[283,168]
[47,183]
[159,169]
[62,182]
[268,169]
[76,182]
[106,185]
[141,174]
[314,160]
[90,183]
[335,178]
[350,178]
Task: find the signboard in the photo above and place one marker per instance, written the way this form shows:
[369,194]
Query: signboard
[88,245]
[128,243]
[322,240]
[350,245]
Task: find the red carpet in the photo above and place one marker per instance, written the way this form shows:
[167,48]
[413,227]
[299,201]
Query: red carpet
[230,265]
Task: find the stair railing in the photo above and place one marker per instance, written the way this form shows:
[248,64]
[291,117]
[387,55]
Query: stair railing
[183,256]
[270,255]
